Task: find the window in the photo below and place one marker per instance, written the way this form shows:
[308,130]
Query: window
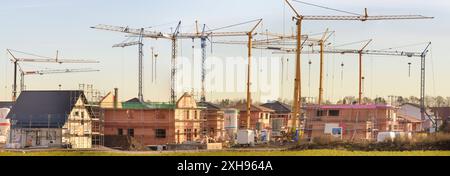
[120,132]
[76,113]
[261,116]
[160,133]
[267,116]
[131,132]
[82,114]
[188,134]
[195,117]
[51,135]
[321,113]
[333,112]
[178,136]
[195,132]
[187,114]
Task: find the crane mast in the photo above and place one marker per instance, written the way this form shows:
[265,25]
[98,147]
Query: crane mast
[173,95]
[203,46]
[422,84]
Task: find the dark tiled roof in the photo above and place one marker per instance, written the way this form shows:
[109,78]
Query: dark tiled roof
[209,106]
[442,112]
[42,109]
[6,104]
[278,107]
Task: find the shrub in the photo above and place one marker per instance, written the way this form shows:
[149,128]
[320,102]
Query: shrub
[439,141]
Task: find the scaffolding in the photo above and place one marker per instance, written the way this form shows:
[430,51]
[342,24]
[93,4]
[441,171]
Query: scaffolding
[96,114]
[85,127]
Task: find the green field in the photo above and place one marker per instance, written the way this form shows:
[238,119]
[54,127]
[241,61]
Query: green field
[232,153]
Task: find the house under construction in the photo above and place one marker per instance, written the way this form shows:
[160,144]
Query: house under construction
[349,121]
[144,123]
[41,119]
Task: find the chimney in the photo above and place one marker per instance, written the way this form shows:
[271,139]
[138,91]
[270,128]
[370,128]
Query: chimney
[116,97]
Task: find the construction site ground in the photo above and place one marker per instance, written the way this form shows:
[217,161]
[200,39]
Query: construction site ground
[256,151]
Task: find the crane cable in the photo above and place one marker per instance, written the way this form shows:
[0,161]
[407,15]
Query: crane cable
[6,76]
[328,8]
[372,76]
[309,73]
[332,76]
[432,70]
[162,24]
[352,43]
[31,54]
[404,46]
[123,69]
[233,25]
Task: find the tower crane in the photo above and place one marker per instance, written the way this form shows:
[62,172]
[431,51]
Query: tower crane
[203,47]
[362,51]
[141,54]
[249,47]
[176,34]
[299,18]
[321,44]
[42,59]
[45,72]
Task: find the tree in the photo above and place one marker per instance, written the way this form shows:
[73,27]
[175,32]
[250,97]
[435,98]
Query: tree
[380,100]
[400,100]
[429,101]
[439,101]
[349,100]
[367,100]
[414,100]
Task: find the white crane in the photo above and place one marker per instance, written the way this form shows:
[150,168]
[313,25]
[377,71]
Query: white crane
[42,59]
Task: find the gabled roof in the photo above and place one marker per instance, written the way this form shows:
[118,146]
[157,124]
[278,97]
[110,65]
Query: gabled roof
[279,107]
[104,97]
[243,108]
[42,109]
[209,106]
[6,104]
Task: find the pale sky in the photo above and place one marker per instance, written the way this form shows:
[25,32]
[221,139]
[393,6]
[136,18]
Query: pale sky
[44,26]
